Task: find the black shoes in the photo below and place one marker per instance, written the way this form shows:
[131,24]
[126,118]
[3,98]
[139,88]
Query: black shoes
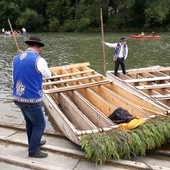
[38,154]
[42,142]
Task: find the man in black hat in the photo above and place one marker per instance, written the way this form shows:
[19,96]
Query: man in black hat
[28,70]
[120,54]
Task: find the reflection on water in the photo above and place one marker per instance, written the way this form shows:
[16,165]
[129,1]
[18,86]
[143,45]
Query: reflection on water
[150,52]
[65,48]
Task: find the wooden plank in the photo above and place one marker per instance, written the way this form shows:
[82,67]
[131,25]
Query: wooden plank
[117,100]
[148,69]
[147,79]
[71,80]
[70,66]
[161,97]
[157,105]
[59,119]
[96,100]
[75,87]
[70,74]
[93,114]
[79,120]
[154,86]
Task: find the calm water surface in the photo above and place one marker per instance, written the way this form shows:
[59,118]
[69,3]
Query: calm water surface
[66,48]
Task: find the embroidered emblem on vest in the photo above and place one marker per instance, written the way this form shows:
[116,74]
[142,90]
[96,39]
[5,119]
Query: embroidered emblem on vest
[20,88]
[23,56]
[40,92]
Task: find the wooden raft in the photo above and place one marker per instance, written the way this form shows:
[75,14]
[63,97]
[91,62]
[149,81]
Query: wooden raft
[61,84]
[152,81]
[79,101]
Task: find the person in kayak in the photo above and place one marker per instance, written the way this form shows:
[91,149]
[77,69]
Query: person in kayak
[142,34]
[152,34]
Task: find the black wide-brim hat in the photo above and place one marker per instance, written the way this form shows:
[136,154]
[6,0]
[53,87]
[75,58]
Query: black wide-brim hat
[123,39]
[35,40]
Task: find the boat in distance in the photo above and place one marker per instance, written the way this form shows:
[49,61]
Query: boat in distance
[145,36]
[79,101]
[10,36]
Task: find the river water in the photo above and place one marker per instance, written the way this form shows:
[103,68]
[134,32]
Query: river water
[67,48]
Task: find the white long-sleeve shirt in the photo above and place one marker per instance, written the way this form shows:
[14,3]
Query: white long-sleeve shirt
[42,65]
[114,45]
[43,68]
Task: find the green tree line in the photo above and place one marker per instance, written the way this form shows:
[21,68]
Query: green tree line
[84,15]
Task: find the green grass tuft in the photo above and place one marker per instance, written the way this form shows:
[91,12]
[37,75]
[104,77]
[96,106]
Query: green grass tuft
[118,144]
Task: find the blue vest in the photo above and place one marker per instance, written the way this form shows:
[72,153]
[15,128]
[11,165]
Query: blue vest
[27,80]
[117,50]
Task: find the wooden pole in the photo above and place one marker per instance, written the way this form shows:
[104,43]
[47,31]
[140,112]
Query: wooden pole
[13,35]
[103,39]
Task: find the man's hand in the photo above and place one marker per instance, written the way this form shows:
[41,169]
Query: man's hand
[20,51]
[114,58]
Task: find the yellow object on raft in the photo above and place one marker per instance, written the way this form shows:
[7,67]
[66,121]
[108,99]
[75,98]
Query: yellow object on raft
[132,124]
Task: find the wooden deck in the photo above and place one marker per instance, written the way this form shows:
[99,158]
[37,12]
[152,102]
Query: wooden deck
[80,100]
[152,81]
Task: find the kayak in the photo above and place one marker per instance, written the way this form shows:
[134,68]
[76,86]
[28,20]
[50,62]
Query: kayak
[145,36]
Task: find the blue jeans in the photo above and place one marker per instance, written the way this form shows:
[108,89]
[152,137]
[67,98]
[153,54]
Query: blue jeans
[35,123]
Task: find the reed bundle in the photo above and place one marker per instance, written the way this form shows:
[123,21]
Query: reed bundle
[124,144]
